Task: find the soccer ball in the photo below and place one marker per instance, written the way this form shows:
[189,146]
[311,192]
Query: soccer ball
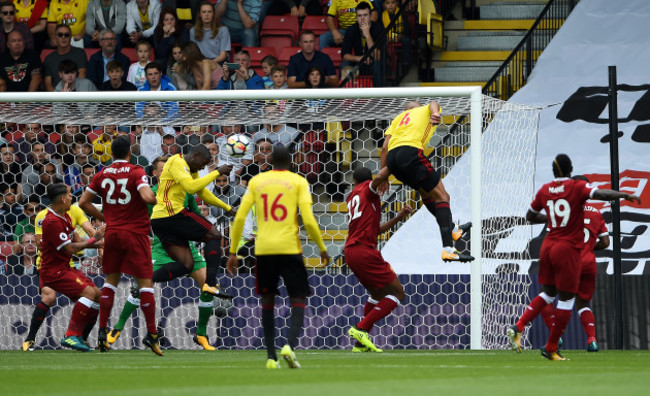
[237,145]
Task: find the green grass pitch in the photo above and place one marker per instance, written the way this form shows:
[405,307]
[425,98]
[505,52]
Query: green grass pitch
[337,373]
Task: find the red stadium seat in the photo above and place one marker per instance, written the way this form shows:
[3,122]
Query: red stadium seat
[91,51]
[335,54]
[6,250]
[259,53]
[276,42]
[286,54]
[133,55]
[315,23]
[280,25]
[279,31]
[45,53]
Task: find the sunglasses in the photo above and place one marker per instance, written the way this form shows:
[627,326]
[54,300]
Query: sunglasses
[63,34]
[8,12]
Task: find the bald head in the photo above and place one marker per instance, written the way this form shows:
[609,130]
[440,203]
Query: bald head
[15,43]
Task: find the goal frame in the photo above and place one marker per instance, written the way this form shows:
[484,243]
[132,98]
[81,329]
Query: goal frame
[472,92]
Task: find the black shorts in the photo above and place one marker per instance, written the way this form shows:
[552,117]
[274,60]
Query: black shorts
[290,267]
[180,228]
[409,165]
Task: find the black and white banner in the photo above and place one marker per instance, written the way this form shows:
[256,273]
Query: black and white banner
[570,81]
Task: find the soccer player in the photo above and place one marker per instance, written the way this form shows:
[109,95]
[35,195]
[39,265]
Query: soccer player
[596,238]
[160,258]
[402,153]
[175,226]
[48,296]
[363,258]
[559,262]
[125,192]
[58,244]
[277,195]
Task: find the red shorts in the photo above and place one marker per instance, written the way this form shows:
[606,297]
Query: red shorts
[128,253]
[560,265]
[587,280]
[369,266]
[70,281]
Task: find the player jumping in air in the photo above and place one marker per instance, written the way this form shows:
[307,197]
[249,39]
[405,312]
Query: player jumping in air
[363,258]
[58,244]
[277,195]
[160,258]
[48,296]
[596,238]
[563,200]
[125,192]
[402,153]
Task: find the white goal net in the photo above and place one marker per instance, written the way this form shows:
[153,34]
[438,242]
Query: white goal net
[330,132]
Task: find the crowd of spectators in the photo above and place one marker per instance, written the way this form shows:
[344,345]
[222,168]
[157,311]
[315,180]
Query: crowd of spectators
[218,28]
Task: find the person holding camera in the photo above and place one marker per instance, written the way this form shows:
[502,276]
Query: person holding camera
[239,75]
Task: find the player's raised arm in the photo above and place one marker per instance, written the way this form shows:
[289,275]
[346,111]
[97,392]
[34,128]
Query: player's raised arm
[611,195]
[403,213]
[196,160]
[210,199]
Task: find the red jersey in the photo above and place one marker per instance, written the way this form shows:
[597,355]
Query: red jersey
[123,207]
[563,201]
[595,227]
[57,232]
[364,215]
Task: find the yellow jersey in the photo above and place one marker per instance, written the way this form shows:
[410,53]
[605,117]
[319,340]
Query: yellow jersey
[345,11]
[77,216]
[277,195]
[72,14]
[24,12]
[102,148]
[175,181]
[411,128]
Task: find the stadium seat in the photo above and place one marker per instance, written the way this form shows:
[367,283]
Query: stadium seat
[91,51]
[259,53]
[286,54]
[6,250]
[279,32]
[335,54]
[133,56]
[315,23]
[45,53]
[280,25]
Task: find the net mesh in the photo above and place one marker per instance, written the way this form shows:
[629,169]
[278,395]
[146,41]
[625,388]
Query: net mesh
[329,138]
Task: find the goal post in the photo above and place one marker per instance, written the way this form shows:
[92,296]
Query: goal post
[353,122]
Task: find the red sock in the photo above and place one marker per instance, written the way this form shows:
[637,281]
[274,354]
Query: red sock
[548,314]
[562,317]
[106,304]
[81,316]
[380,311]
[370,304]
[588,323]
[148,306]
[532,310]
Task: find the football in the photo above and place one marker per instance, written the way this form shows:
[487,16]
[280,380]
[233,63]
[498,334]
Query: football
[237,145]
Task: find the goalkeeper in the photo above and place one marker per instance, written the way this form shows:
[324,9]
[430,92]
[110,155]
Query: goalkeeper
[159,259]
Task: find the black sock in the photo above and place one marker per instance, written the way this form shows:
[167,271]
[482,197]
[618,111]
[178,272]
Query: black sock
[170,271]
[268,325]
[37,319]
[442,213]
[212,253]
[296,323]
[89,328]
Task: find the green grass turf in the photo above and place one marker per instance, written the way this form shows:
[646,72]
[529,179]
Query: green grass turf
[339,373]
